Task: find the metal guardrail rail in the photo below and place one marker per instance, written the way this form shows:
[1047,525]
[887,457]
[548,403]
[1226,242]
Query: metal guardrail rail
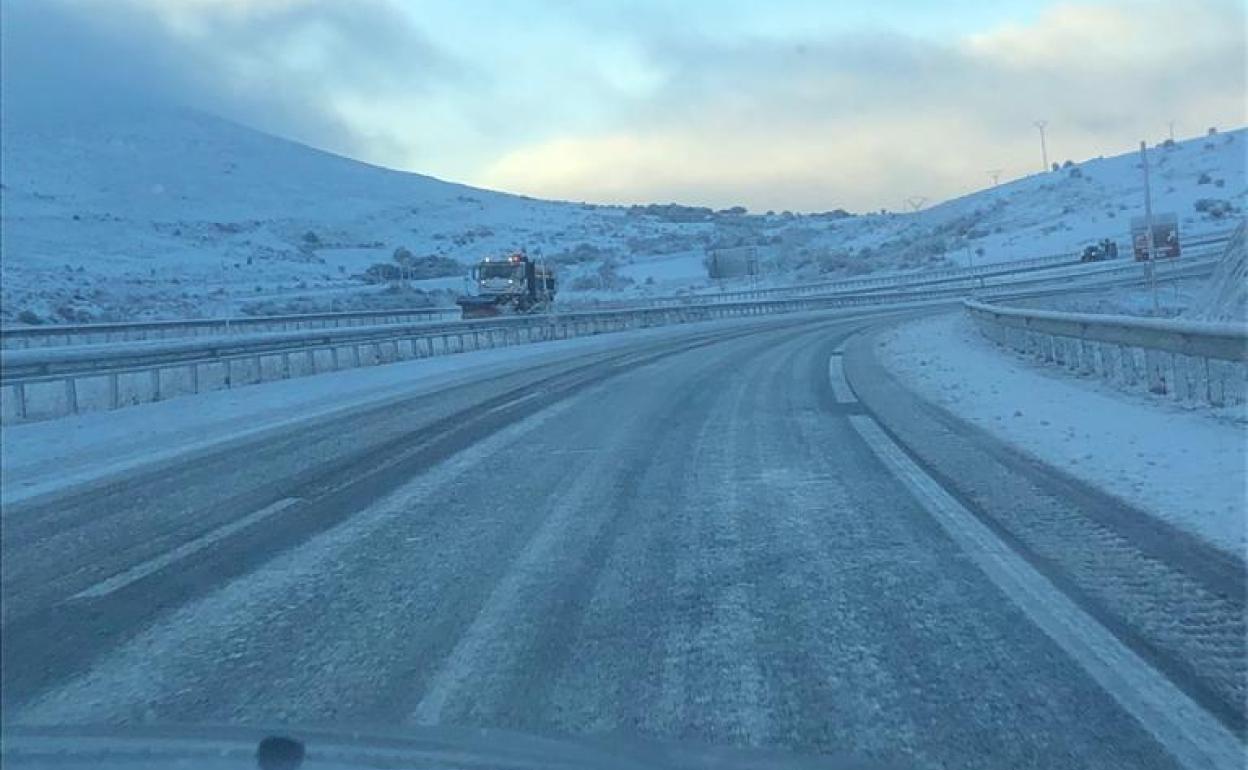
[40,383]
[43,383]
[1187,361]
[127,331]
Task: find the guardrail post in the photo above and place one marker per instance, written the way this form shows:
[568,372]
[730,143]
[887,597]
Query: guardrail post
[1097,357]
[1238,391]
[194,377]
[1156,375]
[156,384]
[19,394]
[71,395]
[1018,338]
[1214,390]
[1133,367]
[1191,378]
[113,387]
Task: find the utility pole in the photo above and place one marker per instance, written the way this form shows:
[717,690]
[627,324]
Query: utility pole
[225,290]
[1148,224]
[1172,130]
[1044,150]
[995,175]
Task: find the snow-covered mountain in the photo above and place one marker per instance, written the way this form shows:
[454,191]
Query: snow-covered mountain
[123,210]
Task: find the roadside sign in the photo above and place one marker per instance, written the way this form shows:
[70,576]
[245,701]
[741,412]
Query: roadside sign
[1165,236]
[732,262]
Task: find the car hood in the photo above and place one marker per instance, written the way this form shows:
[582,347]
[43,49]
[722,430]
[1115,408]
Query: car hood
[418,748]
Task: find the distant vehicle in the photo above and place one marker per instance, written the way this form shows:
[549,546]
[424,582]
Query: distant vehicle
[508,286]
[1165,237]
[1099,252]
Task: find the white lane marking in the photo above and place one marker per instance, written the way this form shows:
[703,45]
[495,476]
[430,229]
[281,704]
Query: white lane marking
[1193,736]
[840,386]
[515,402]
[137,573]
[177,653]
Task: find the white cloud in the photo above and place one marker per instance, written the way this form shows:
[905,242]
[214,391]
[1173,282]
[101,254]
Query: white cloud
[646,101]
[864,121]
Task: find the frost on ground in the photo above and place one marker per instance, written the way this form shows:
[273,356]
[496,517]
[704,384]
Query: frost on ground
[1186,466]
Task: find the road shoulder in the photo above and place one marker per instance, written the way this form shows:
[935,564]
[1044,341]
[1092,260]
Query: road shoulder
[1171,596]
[1184,465]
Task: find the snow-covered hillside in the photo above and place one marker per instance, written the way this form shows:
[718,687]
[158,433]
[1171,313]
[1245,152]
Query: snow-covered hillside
[124,211]
[171,212]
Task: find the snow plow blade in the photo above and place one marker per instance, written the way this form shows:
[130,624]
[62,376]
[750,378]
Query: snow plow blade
[476,307]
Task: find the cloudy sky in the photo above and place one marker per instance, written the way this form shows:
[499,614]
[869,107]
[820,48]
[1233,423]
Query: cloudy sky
[772,104]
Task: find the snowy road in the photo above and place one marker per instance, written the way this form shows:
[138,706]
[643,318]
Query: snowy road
[687,540]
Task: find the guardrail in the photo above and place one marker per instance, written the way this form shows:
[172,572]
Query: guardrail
[44,383]
[18,338]
[1187,361]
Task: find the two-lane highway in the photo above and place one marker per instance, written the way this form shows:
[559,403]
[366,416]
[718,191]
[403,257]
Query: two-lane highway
[688,541]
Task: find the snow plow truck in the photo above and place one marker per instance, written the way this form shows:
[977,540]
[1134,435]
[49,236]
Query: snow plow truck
[509,286]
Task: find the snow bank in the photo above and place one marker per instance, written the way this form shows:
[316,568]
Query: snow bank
[1184,466]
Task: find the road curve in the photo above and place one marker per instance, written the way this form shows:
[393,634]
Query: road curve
[685,542]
